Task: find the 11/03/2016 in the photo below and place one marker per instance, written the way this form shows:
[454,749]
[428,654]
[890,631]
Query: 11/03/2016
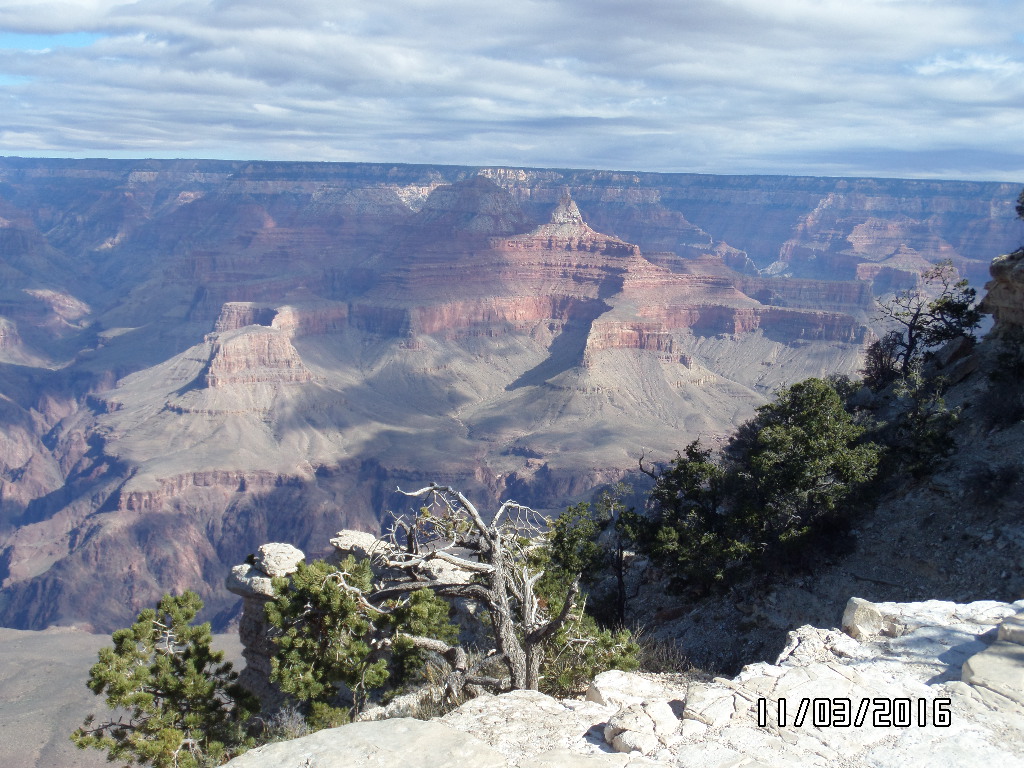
[840,713]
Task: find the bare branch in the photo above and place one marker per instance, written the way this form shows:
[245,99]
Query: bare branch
[649,472]
[544,632]
[443,491]
[443,588]
[460,562]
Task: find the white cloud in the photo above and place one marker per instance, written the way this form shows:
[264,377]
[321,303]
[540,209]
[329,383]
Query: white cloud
[800,86]
[983,63]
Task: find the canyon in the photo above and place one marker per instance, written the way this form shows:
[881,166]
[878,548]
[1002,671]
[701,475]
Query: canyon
[197,357]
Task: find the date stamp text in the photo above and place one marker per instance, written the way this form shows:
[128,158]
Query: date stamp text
[879,712]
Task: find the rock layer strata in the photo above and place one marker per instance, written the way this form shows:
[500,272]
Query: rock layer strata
[192,350]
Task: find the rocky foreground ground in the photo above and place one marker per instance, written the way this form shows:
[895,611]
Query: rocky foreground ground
[904,684]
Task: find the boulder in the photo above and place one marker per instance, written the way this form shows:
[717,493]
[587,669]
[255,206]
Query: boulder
[862,620]
[619,689]
[647,728]
[358,544]
[249,581]
[278,559]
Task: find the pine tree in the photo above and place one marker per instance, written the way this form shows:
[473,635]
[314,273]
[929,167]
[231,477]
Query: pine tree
[330,634]
[177,701]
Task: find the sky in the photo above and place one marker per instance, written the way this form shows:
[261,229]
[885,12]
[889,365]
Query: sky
[893,88]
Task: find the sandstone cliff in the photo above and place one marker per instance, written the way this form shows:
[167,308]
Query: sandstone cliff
[196,357]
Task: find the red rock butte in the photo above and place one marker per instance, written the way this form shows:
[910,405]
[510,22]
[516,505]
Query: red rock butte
[198,357]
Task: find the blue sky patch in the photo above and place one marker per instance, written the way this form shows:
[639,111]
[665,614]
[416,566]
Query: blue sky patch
[21,42]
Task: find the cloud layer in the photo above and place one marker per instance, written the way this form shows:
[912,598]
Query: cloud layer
[827,87]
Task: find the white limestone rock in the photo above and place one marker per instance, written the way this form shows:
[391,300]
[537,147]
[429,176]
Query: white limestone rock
[1000,668]
[862,620]
[359,544]
[249,581]
[522,724]
[618,689]
[713,705]
[1011,629]
[647,728]
[385,744]
[278,559]
[635,741]
[563,758]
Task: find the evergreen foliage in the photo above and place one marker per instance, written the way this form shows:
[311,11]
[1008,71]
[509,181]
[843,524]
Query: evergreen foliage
[787,474]
[921,431]
[178,700]
[581,649]
[799,459]
[331,636]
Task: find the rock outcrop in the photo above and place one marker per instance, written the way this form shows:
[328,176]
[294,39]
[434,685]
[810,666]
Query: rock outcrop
[1004,299]
[925,682]
[254,355]
[252,582]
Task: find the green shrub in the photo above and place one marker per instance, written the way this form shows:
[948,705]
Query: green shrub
[580,651]
[787,474]
[181,705]
[331,640]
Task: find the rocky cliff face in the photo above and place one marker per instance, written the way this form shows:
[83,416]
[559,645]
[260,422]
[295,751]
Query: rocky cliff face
[196,357]
[1004,298]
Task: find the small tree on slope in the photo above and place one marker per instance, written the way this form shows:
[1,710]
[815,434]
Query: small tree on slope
[178,701]
[921,323]
[785,475]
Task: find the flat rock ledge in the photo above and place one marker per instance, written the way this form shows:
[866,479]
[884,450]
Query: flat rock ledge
[939,684]
[381,744]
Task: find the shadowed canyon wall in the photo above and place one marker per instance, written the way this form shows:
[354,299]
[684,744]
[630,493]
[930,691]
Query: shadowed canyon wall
[197,357]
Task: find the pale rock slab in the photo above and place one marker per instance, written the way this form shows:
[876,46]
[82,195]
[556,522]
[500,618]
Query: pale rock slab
[1000,668]
[616,688]
[647,728]
[1011,629]
[385,744]
[359,544]
[563,758]
[278,559]
[522,724]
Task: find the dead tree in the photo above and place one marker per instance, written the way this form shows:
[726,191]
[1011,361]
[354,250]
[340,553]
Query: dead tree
[490,565]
